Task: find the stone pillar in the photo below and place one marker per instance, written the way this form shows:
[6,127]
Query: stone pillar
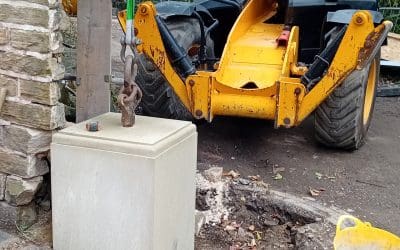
[30,63]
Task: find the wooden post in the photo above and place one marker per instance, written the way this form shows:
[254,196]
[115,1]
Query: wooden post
[93,58]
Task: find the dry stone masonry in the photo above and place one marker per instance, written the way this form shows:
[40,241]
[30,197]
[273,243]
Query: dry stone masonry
[30,63]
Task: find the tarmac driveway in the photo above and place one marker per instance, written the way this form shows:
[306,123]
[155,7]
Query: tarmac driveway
[363,182]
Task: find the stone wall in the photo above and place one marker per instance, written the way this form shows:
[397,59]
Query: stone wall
[30,63]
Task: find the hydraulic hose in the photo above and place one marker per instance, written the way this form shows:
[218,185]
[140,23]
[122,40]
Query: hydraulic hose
[322,61]
[176,53]
[202,53]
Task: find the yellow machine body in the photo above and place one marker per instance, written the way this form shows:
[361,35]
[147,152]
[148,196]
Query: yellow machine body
[352,233]
[70,7]
[253,56]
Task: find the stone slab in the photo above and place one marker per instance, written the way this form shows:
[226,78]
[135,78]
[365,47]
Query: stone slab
[24,139]
[24,15]
[26,64]
[23,166]
[30,40]
[10,84]
[40,92]
[21,191]
[33,115]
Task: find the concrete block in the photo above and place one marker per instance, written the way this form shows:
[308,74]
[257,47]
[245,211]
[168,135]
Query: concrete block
[124,188]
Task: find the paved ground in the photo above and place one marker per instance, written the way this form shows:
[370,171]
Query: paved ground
[365,181]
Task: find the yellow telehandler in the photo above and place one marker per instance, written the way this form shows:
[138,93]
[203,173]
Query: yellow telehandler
[266,59]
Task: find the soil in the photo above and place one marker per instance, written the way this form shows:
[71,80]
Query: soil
[255,221]
[37,237]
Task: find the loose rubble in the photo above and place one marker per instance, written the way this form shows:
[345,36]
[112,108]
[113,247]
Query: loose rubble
[237,213]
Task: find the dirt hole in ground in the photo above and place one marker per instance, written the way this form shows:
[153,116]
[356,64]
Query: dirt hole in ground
[238,214]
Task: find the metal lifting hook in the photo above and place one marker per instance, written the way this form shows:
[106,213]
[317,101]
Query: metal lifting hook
[130,94]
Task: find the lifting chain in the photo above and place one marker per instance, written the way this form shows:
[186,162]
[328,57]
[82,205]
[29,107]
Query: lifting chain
[129,94]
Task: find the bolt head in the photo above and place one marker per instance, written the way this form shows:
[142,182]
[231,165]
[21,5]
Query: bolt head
[143,10]
[199,113]
[286,121]
[360,18]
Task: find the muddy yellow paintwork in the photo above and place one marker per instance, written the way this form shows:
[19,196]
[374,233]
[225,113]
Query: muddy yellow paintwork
[251,54]
[345,61]
[70,7]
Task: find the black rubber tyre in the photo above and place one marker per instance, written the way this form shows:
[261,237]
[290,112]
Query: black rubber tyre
[159,99]
[340,121]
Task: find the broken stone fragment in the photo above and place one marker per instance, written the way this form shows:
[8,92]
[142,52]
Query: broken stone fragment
[213,174]
[271,222]
[241,234]
[199,219]
[244,181]
[201,200]
[21,191]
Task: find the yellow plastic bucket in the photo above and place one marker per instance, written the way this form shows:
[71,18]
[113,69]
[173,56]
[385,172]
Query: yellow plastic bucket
[353,234]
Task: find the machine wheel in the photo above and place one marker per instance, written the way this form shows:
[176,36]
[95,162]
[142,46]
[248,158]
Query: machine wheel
[159,99]
[343,119]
